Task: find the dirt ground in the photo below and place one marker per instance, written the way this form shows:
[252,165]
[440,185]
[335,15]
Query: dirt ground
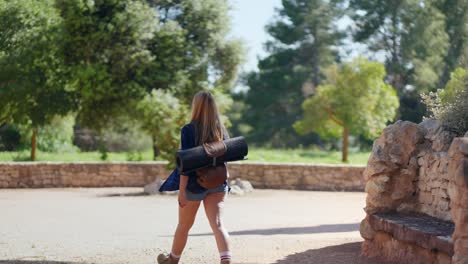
[120,225]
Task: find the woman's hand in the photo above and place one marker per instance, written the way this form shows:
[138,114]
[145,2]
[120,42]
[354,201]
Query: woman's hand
[182,198]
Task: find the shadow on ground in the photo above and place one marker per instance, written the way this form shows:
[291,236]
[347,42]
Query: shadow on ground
[341,254]
[15,261]
[294,230]
[123,194]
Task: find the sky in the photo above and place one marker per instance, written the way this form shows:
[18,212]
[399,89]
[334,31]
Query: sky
[249,18]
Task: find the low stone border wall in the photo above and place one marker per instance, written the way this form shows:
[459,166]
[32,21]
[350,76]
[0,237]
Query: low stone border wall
[138,174]
[300,176]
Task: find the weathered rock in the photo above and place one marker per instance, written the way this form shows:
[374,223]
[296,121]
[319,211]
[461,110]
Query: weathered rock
[430,126]
[424,231]
[377,185]
[393,166]
[406,207]
[428,175]
[394,148]
[460,259]
[240,187]
[464,147]
[246,186]
[436,134]
[366,230]
[236,190]
[153,187]
[384,246]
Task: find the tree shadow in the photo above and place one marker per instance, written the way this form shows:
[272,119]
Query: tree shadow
[294,230]
[349,253]
[129,194]
[134,194]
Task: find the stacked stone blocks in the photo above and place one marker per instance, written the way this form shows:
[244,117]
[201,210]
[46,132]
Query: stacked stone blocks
[417,169]
[138,174]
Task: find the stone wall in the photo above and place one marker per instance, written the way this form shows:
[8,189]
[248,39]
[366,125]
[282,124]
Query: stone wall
[56,174]
[433,178]
[458,191]
[137,174]
[413,168]
[300,176]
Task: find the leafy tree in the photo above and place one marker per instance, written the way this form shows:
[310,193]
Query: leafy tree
[304,43]
[449,105]
[191,48]
[31,65]
[55,136]
[106,54]
[456,26]
[412,36]
[123,134]
[161,115]
[354,100]
[311,25]
[9,137]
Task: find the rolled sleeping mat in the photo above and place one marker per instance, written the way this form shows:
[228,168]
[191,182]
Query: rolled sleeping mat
[196,158]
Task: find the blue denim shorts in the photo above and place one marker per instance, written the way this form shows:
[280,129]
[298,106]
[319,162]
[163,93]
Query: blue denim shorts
[195,197]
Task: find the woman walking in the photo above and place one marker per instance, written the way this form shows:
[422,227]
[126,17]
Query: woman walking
[205,127]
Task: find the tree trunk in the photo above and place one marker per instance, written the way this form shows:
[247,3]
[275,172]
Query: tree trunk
[156,150]
[345,145]
[33,144]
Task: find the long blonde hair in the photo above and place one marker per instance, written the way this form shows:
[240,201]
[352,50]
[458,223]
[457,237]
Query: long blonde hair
[206,118]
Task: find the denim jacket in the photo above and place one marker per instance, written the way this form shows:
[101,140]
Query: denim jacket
[187,139]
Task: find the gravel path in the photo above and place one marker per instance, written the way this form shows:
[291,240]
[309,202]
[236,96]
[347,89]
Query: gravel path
[119,225]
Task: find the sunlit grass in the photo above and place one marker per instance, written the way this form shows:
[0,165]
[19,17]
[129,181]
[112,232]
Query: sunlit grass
[305,156]
[256,154]
[77,156]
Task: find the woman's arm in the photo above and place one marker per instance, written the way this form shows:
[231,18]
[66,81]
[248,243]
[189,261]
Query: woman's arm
[182,188]
[187,141]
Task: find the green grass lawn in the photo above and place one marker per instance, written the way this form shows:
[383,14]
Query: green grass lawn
[256,154]
[305,156]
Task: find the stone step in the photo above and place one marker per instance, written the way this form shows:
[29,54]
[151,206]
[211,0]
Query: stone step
[423,230]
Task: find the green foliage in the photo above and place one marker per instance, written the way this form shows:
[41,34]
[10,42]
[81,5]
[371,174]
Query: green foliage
[191,48]
[456,85]
[103,153]
[450,105]
[9,137]
[55,136]
[456,26]
[412,36]
[354,97]
[311,26]
[31,63]
[304,35]
[100,58]
[411,33]
[106,51]
[161,115]
[134,156]
[123,133]
[312,156]
[224,103]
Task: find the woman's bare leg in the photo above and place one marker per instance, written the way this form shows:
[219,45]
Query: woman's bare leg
[187,216]
[213,204]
